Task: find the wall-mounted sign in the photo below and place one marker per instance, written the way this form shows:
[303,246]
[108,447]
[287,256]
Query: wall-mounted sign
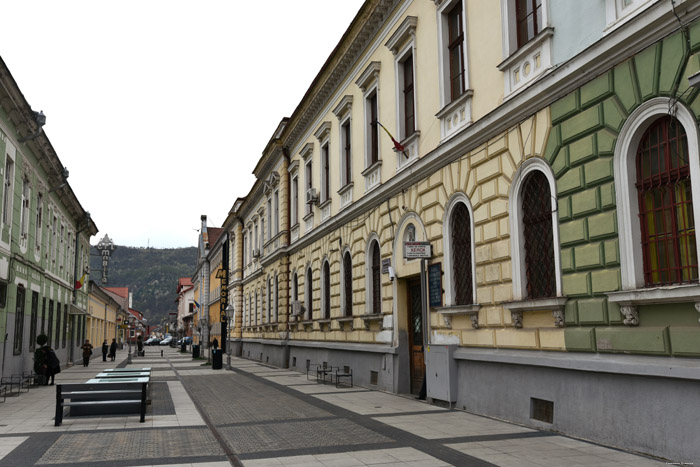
[435,285]
[105,247]
[386,264]
[412,250]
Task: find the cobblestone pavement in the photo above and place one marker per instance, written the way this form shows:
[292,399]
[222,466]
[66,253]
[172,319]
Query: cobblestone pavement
[256,416]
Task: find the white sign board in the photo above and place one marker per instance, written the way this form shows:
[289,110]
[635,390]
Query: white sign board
[416,250]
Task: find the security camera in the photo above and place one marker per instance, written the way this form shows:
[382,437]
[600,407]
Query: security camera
[392,274]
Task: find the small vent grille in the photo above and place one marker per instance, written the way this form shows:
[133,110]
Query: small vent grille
[542,410]
[373,377]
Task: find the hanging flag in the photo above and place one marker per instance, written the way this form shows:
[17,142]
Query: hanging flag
[397,146]
[79,283]
[196,305]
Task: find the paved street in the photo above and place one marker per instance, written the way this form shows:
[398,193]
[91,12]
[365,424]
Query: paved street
[257,415]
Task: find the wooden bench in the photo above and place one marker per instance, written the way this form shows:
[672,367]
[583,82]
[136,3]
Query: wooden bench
[99,398]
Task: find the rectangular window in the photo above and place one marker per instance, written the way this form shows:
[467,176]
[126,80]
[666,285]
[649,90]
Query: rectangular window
[65,326]
[325,174]
[39,220]
[295,201]
[34,318]
[256,235]
[3,294]
[19,321]
[49,330]
[455,20]
[276,211]
[62,247]
[409,122]
[528,17]
[309,184]
[24,214]
[43,315]
[346,153]
[373,129]
[270,233]
[7,192]
[58,326]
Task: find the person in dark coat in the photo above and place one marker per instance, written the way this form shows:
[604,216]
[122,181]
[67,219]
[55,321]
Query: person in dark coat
[105,349]
[87,351]
[215,344]
[113,350]
[46,363]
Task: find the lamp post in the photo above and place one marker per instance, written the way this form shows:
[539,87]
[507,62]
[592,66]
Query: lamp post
[228,316]
[130,320]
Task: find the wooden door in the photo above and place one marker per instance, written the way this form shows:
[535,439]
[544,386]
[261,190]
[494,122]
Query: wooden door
[415,336]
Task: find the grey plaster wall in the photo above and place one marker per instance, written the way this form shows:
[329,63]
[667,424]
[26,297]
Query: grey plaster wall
[658,416]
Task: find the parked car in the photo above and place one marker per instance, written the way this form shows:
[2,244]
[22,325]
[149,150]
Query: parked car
[187,340]
[167,340]
[150,340]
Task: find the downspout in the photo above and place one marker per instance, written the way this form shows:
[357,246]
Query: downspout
[285,153]
[75,279]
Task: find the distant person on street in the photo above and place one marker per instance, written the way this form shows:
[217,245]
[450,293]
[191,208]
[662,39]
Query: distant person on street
[46,363]
[105,349]
[215,344]
[113,350]
[87,351]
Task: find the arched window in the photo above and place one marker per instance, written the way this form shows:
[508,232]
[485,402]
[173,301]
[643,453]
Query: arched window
[347,284]
[375,274]
[326,305]
[461,249]
[308,295]
[666,205]
[276,309]
[538,236]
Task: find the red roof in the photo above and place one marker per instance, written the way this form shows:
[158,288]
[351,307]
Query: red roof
[214,234]
[121,291]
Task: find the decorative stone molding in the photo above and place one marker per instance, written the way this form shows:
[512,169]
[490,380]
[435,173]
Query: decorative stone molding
[456,310]
[631,315]
[369,318]
[528,62]
[323,131]
[456,115]
[369,76]
[556,305]
[559,318]
[325,210]
[410,143]
[373,176]
[307,151]
[346,322]
[346,195]
[343,107]
[405,32]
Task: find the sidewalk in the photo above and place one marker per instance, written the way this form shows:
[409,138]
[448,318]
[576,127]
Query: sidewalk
[257,415]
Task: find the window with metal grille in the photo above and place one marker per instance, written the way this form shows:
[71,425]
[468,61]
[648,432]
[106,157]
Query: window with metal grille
[666,205]
[460,224]
[538,235]
[347,284]
[326,290]
[455,20]
[376,279]
[19,320]
[528,16]
[58,326]
[34,319]
[308,295]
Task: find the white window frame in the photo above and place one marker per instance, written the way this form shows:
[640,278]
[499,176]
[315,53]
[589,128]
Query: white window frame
[276,298]
[624,164]
[368,82]
[617,13]
[450,290]
[516,226]
[38,228]
[309,293]
[8,186]
[24,214]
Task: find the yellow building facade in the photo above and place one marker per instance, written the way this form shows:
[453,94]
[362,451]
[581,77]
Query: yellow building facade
[104,315]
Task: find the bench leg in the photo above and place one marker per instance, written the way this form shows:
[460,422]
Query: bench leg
[143,403]
[59,407]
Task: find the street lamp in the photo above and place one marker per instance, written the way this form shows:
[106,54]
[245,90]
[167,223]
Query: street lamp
[130,320]
[228,316]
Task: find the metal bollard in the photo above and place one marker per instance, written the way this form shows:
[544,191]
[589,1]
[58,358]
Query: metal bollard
[161,353]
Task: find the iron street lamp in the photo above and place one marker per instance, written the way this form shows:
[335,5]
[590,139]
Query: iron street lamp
[130,320]
[228,316]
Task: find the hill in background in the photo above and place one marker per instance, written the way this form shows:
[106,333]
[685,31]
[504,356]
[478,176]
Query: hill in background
[150,273]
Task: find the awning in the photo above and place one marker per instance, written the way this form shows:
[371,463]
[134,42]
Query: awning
[74,310]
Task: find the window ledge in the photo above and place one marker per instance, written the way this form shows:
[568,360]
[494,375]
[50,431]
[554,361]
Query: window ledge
[367,319]
[372,167]
[556,304]
[448,312]
[526,49]
[346,321]
[629,300]
[456,115]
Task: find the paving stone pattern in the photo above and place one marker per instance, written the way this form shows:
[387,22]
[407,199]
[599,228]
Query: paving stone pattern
[131,445]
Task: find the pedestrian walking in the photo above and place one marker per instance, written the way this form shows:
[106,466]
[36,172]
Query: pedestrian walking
[215,344]
[113,350]
[87,351]
[105,349]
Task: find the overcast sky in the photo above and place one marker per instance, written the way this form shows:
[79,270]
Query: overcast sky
[161,108]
